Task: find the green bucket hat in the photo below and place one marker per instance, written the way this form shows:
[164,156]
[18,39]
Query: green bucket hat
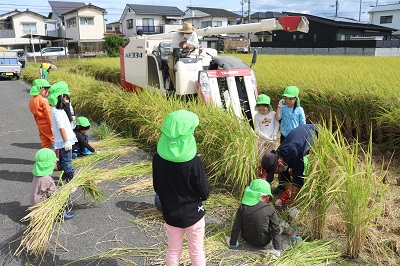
[263,99]
[253,193]
[82,121]
[291,92]
[37,84]
[177,143]
[55,90]
[44,162]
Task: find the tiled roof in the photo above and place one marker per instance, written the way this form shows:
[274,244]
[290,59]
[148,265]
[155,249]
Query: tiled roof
[156,10]
[341,23]
[385,8]
[216,12]
[62,7]
[87,6]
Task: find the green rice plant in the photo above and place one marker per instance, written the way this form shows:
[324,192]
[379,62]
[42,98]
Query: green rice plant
[323,180]
[45,218]
[361,199]
[102,131]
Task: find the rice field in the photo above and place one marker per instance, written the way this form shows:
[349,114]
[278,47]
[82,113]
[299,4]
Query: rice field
[358,93]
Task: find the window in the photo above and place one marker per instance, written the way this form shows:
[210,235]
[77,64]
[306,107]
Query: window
[129,23]
[217,23]
[205,24]
[386,19]
[148,25]
[28,28]
[71,22]
[86,21]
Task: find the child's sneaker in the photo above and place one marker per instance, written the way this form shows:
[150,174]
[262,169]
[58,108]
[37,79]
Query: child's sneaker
[293,212]
[69,215]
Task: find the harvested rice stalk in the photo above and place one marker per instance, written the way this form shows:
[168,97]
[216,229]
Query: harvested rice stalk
[128,171]
[107,154]
[46,217]
[143,185]
[114,141]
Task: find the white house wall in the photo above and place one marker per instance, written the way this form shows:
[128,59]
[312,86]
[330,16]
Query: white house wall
[18,30]
[95,31]
[72,32]
[196,22]
[375,18]
[128,14]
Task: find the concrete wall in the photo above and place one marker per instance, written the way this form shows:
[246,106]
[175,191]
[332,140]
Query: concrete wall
[331,51]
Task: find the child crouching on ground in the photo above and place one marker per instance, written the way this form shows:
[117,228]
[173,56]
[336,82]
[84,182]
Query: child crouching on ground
[82,146]
[257,221]
[43,184]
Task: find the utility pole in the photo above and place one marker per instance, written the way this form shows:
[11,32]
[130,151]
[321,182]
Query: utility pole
[242,3]
[248,34]
[337,7]
[359,14]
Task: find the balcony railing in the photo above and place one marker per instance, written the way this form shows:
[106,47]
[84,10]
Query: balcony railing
[151,29]
[7,34]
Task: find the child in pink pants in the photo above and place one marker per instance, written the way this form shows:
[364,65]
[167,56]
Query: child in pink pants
[180,181]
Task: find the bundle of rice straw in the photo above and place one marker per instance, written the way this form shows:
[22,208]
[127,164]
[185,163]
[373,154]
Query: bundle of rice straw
[46,217]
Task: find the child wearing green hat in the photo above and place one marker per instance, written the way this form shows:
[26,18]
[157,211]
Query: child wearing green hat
[266,126]
[64,136]
[43,184]
[180,181]
[289,111]
[256,219]
[40,109]
[82,146]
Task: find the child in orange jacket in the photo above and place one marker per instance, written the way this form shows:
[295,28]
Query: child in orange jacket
[40,109]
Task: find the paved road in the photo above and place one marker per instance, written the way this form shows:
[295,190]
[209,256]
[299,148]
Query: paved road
[94,229]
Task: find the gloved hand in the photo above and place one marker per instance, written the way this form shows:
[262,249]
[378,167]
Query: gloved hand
[273,252]
[274,137]
[281,103]
[67,145]
[228,240]
[96,151]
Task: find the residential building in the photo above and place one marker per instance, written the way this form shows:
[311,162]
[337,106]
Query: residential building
[83,24]
[16,28]
[114,28]
[150,19]
[203,17]
[388,16]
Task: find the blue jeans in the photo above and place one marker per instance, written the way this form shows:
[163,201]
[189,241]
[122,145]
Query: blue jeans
[65,161]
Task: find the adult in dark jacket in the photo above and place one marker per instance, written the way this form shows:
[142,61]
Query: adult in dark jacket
[289,159]
[256,219]
[180,180]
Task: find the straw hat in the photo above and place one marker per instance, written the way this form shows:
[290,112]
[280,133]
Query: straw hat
[187,28]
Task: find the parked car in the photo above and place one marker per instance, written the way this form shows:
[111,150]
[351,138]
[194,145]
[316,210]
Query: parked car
[22,57]
[50,51]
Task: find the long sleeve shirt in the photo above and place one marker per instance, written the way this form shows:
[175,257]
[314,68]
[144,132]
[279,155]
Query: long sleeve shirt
[42,187]
[40,109]
[182,187]
[258,225]
[290,120]
[179,37]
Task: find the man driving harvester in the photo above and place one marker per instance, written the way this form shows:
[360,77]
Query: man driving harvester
[185,38]
[290,160]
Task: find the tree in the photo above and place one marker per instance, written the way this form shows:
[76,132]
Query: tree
[113,42]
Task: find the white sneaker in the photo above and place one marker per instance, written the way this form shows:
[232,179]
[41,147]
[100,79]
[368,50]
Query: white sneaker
[293,212]
[74,189]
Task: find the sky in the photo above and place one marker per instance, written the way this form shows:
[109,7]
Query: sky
[327,8]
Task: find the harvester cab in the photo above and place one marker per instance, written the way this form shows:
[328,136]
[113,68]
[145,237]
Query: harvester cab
[224,81]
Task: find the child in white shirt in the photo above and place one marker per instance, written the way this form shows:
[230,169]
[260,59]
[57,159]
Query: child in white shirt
[266,127]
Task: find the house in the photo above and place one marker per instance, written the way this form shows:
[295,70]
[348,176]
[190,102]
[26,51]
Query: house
[330,36]
[83,24]
[114,28]
[150,19]
[86,26]
[388,16]
[17,27]
[203,17]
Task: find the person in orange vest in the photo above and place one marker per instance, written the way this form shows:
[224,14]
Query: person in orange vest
[40,109]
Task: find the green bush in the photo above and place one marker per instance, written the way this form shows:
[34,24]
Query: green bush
[113,42]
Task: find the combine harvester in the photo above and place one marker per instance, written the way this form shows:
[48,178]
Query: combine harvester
[225,81]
